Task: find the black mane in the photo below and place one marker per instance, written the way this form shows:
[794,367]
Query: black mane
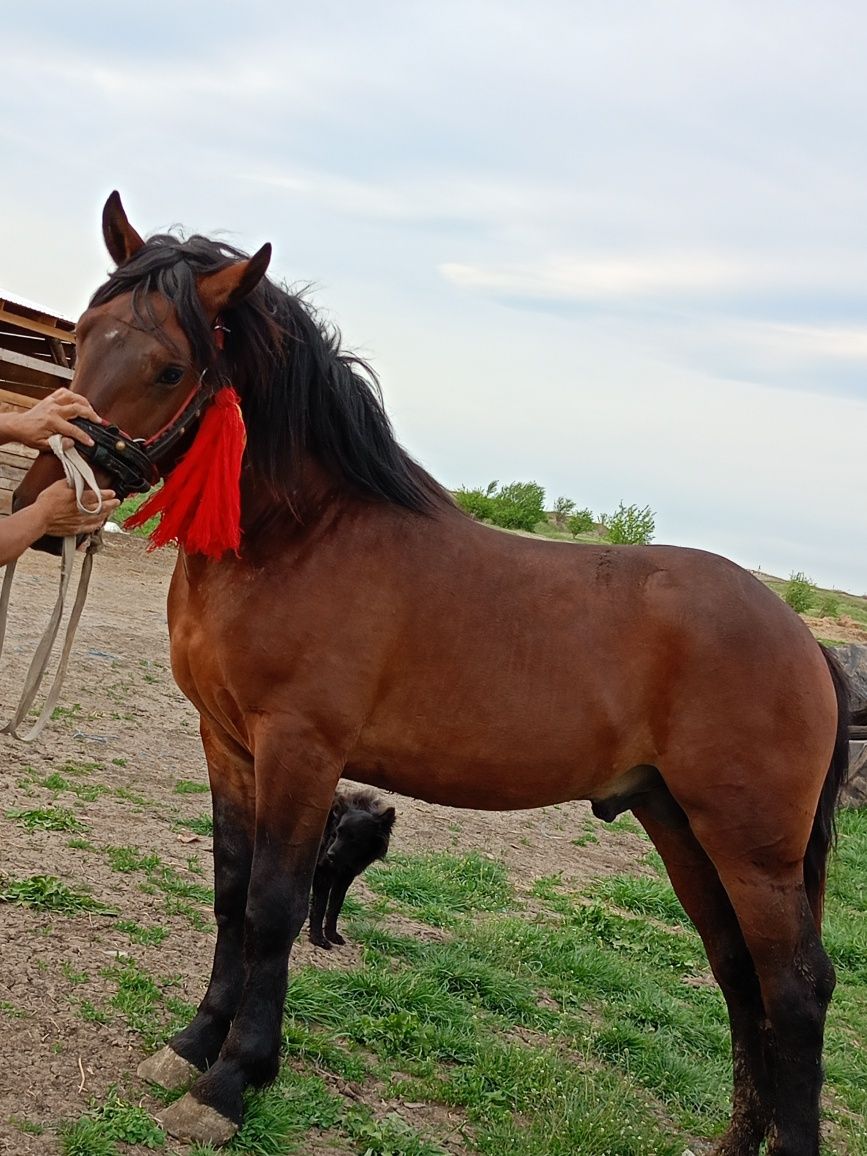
[301,394]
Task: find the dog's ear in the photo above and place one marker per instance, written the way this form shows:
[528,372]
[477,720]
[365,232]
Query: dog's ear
[388,817]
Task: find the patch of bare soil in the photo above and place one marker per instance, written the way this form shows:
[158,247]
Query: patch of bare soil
[842,629]
[125,739]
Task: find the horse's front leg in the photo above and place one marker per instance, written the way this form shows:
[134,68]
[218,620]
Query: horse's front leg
[295,782]
[193,1050]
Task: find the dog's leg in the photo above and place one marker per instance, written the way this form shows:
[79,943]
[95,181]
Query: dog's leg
[319,899]
[340,885]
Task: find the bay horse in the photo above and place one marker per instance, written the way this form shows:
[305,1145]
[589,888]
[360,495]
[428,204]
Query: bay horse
[368,628]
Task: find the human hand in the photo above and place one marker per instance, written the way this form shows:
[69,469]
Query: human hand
[53,415]
[62,516]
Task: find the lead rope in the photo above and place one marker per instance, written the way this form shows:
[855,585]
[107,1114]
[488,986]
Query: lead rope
[80,477]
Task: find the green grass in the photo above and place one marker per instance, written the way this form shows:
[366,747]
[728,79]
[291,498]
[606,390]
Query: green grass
[147,936]
[127,508]
[129,859]
[9,1009]
[73,974]
[106,1125]
[565,1023]
[87,792]
[128,796]
[145,1002]
[28,1127]
[203,825]
[91,1014]
[47,819]
[81,845]
[74,768]
[188,787]
[48,893]
[440,887]
[181,895]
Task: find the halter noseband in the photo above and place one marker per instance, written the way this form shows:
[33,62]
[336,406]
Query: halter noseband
[135,464]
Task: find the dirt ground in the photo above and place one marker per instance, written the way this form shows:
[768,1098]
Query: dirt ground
[127,732]
[842,629]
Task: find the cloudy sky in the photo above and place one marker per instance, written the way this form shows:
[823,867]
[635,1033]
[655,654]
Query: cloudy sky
[615,246]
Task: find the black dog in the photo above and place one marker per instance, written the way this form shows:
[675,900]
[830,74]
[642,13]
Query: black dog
[357,832]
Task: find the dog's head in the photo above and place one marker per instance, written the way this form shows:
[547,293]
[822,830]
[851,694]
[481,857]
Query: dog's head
[360,837]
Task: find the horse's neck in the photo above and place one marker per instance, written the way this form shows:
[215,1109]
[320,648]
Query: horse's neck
[313,498]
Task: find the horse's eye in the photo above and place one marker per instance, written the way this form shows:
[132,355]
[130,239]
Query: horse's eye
[171,375]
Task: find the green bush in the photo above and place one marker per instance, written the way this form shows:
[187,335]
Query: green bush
[581,522]
[518,506]
[563,510]
[800,593]
[631,525]
[829,607]
[477,503]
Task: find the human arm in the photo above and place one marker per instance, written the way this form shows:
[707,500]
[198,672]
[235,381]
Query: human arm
[54,512]
[52,415]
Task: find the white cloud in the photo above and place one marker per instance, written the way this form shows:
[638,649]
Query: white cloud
[668,198]
[596,278]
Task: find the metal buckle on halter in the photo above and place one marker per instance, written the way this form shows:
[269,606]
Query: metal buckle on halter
[127,463]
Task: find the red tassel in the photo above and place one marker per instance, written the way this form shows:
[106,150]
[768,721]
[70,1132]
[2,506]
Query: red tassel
[200,502]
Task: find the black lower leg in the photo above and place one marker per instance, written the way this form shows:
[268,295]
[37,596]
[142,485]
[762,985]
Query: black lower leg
[276,909]
[319,900]
[797,1005]
[335,905]
[200,1043]
[752,1051]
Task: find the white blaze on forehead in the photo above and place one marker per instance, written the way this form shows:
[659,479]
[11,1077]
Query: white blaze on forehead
[111,334]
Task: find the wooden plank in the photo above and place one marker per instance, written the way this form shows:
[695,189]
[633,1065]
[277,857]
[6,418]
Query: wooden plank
[10,400]
[21,370]
[14,473]
[32,344]
[58,352]
[9,361]
[5,503]
[58,330]
[16,450]
[34,392]
[14,454]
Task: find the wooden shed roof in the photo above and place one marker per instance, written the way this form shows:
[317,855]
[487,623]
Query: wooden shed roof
[37,347]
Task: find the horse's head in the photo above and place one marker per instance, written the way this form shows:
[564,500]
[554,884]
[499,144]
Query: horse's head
[147,349]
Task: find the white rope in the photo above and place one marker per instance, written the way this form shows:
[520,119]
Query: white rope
[80,476]
[78,473]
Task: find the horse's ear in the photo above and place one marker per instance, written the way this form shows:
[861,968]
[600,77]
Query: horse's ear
[230,285]
[121,239]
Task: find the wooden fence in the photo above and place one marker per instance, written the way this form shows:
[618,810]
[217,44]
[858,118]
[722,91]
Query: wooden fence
[37,354]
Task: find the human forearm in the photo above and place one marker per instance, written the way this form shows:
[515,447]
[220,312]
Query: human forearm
[21,530]
[8,428]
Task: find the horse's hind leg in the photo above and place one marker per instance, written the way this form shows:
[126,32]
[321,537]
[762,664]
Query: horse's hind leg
[763,874]
[697,885]
[195,1048]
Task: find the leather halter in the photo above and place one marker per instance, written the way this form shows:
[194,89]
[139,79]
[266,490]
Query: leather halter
[135,465]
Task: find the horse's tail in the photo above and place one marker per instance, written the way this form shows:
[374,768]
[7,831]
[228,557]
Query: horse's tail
[824,832]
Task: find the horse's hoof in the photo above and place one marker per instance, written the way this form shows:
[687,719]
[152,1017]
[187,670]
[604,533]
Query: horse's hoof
[196,1123]
[168,1069]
